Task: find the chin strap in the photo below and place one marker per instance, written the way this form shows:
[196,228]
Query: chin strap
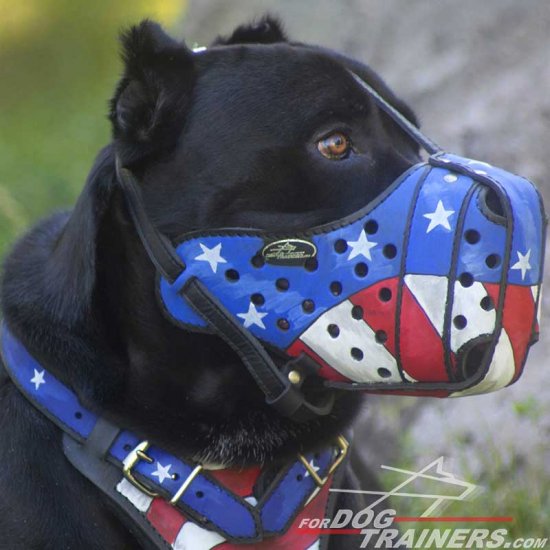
[280,393]
[285,397]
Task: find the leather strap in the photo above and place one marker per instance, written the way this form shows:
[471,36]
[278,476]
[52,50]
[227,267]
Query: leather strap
[158,247]
[280,393]
[430,146]
[105,476]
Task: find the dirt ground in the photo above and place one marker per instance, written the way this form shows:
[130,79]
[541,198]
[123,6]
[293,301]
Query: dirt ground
[478,75]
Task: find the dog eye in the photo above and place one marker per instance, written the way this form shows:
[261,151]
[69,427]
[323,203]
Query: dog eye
[335,146]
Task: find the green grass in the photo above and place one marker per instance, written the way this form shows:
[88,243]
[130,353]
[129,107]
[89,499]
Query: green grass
[516,489]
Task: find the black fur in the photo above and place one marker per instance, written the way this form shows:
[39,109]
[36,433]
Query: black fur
[222,138]
[266,30]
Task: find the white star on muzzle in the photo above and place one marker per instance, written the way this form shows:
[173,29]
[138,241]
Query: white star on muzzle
[523,263]
[440,217]
[361,246]
[252,317]
[212,256]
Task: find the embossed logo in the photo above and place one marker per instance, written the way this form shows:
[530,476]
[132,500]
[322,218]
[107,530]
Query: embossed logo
[288,252]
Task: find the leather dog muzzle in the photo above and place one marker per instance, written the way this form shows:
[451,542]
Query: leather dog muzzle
[431,289]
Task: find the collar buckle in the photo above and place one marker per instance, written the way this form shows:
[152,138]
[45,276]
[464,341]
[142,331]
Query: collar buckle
[134,456]
[342,450]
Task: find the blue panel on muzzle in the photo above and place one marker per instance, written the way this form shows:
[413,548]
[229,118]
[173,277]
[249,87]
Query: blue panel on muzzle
[437,280]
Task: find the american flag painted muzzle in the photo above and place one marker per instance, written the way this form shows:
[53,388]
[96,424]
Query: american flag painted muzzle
[438,281]
[431,289]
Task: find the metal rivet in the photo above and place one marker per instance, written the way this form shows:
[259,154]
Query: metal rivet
[283,324]
[295,377]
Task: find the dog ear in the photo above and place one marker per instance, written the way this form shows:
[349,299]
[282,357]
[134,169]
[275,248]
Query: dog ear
[149,106]
[267,30]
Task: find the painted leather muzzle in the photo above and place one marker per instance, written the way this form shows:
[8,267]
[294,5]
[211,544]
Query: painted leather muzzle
[432,289]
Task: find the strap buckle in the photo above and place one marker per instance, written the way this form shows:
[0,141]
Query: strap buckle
[343,447]
[134,456]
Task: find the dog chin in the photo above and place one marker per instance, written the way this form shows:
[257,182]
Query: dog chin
[263,436]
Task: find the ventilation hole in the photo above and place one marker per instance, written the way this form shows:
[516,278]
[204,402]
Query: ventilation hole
[385,294]
[127,447]
[475,358]
[175,476]
[357,312]
[308,306]
[361,269]
[311,264]
[466,279]
[299,477]
[333,330]
[492,202]
[258,261]
[472,236]
[232,275]
[390,251]
[336,288]
[371,227]
[357,354]
[340,246]
[283,324]
[78,415]
[282,284]
[384,372]
[257,299]
[199,494]
[460,322]
[487,303]
[492,261]
[380,336]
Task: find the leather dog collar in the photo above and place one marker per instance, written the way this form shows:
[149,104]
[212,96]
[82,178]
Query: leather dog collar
[170,501]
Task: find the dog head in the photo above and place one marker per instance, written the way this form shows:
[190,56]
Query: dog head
[253,132]
[256,132]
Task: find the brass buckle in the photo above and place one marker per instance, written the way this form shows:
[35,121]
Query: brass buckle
[185,484]
[343,447]
[131,460]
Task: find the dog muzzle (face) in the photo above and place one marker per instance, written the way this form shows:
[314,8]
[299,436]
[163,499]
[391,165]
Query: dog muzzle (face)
[431,289]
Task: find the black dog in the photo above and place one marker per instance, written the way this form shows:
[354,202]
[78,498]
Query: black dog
[257,132]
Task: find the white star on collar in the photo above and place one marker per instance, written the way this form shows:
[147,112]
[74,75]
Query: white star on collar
[523,263]
[313,467]
[38,379]
[361,246]
[252,317]
[439,217]
[212,256]
[162,472]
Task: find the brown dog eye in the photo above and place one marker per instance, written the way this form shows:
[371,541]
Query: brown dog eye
[336,146]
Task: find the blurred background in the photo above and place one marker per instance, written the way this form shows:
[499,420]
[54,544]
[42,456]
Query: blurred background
[476,73]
